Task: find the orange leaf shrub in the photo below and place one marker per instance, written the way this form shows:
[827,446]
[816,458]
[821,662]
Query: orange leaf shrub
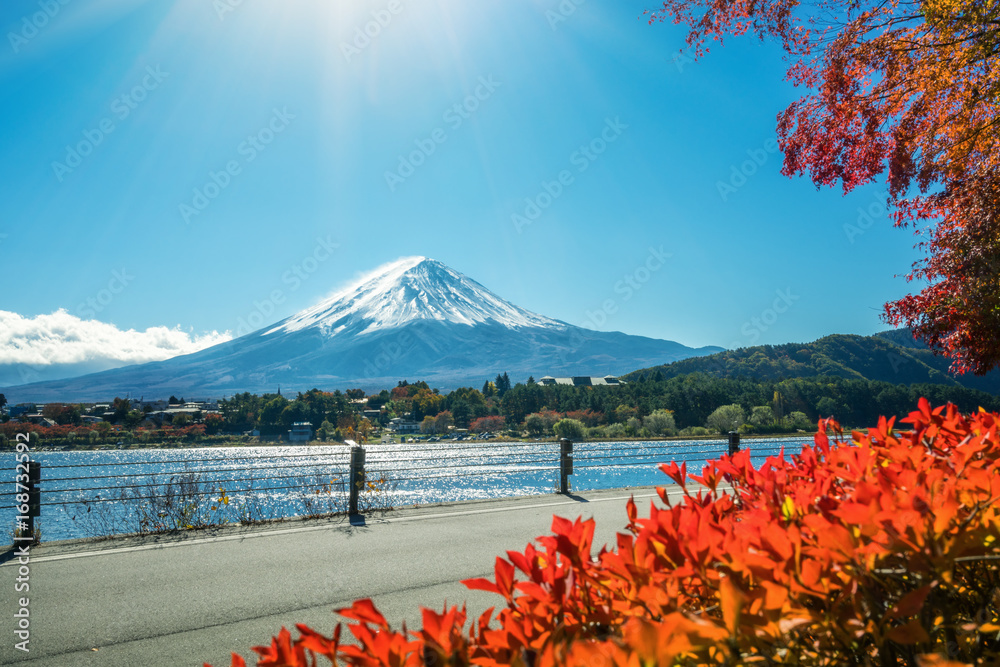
[878,550]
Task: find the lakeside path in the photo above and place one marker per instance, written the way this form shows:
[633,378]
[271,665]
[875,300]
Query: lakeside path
[192,598]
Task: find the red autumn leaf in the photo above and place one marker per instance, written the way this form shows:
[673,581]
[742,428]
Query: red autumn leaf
[910,604]
[364,610]
[910,633]
[313,641]
[280,653]
[731,600]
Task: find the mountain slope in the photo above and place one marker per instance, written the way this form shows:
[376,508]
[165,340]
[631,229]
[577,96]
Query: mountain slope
[878,357]
[415,318]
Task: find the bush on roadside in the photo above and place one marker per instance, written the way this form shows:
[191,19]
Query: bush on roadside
[881,549]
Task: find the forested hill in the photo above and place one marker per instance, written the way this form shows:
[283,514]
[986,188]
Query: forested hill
[892,356]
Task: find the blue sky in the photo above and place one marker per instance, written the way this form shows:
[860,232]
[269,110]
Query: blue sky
[252,146]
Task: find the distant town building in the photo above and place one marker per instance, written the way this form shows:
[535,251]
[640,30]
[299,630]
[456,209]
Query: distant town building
[167,416]
[147,406]
[583,381]
[38,419]
[400,425]
[300,432]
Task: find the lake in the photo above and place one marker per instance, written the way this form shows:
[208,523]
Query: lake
[89,493]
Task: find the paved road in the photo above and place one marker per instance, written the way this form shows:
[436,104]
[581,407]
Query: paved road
[183,601]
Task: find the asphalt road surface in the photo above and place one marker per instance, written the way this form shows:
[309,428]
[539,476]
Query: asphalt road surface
[189,599]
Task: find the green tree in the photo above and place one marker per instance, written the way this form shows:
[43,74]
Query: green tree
[133,419]
[534,424]
[762,415]
[241,412]
[296,411]
[622,413]
[800,421]
[182,419]
[428,425]
[461,413]
[660,423]
[442,421]
[830,407]
[325,430]
[726,418]
[270,415]
[502,383]
[121,406]
[570,428]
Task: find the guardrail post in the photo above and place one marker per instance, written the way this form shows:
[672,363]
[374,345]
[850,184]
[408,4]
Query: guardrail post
[565,463]
[734,442]
[357,475]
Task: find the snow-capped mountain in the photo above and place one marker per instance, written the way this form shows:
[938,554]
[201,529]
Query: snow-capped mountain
[413,319]
[410,289]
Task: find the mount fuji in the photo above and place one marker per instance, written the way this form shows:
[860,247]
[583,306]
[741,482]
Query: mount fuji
[414,319]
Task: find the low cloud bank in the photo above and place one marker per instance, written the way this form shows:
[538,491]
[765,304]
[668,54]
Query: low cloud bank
[60,345]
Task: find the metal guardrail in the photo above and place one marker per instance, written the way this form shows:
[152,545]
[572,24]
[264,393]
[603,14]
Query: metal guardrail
[234,474]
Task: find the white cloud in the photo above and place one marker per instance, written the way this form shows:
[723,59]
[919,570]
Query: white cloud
[62,339]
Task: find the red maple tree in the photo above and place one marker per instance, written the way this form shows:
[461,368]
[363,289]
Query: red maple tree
[906,89]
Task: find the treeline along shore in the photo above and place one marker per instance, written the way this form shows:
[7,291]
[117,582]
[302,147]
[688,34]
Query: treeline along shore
[651,406]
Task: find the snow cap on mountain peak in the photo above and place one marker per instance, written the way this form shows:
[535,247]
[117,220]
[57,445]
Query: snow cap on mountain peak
[409,289]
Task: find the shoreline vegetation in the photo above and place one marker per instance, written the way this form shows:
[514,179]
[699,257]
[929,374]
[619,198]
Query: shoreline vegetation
[646,407]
